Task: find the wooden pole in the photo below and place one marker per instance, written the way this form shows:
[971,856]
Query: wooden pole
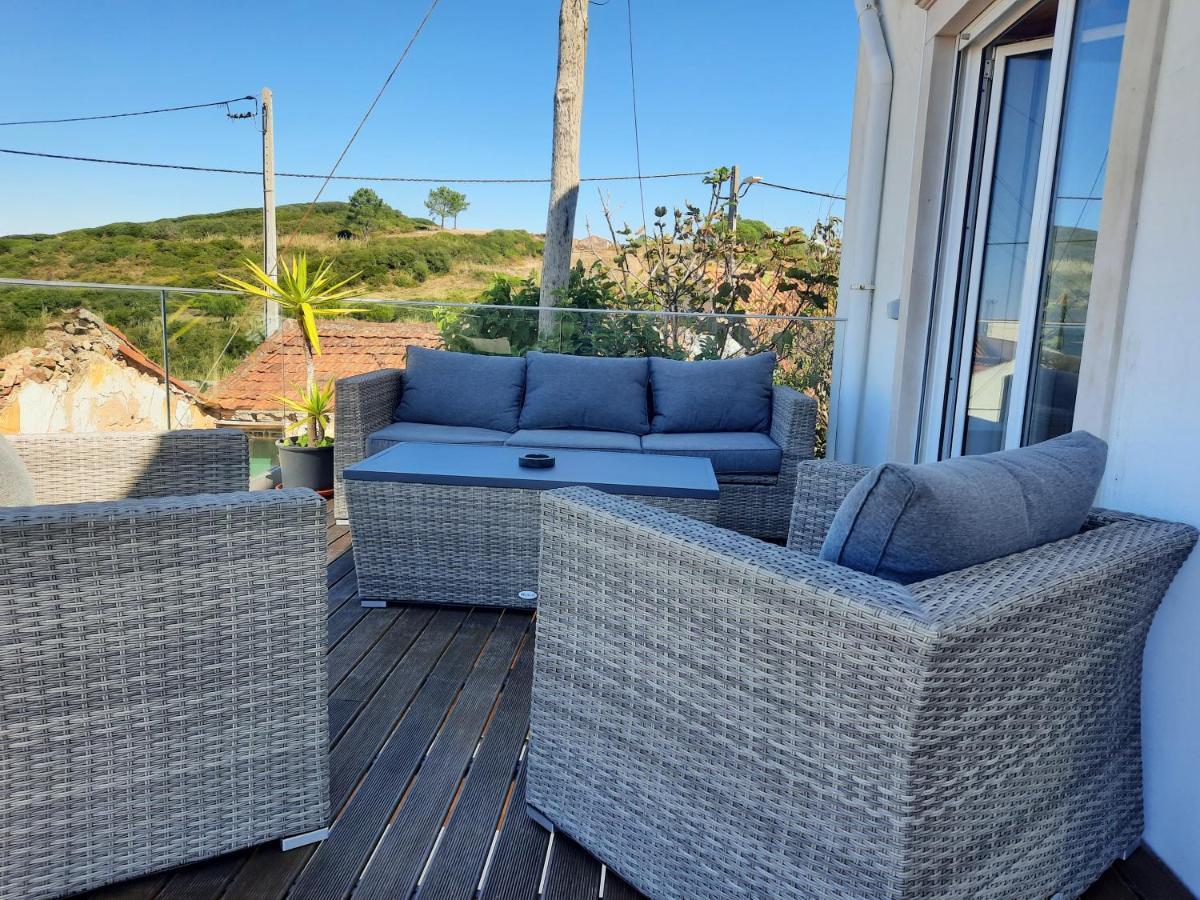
[733,198]
[731,212]
[564,165]
[270,233]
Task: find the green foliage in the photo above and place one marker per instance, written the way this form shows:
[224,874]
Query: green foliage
[366,211]
[752,230]
[446,202]
[211,333]
[305,297]
[314,406]
[480,329]
[714,282]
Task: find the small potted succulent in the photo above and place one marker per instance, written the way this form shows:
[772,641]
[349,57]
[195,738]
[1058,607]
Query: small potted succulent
[306,457]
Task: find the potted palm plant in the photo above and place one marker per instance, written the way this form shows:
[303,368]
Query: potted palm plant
[306,457]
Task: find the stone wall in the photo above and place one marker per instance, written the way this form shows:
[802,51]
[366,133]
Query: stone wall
[87,377]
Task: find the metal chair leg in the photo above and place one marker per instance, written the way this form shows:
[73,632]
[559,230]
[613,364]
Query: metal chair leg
[301,840]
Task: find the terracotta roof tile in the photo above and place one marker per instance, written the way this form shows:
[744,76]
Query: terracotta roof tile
[348,347]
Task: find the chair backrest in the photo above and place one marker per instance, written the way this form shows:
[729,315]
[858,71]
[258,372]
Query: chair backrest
[821,486]
[79,468]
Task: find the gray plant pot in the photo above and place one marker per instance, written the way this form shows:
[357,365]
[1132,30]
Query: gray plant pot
[310,467]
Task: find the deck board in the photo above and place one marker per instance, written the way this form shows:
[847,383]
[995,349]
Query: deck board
[344,619]
[401,856]
[573,874]
[353,755]
[205,879]
[358,643]
[456,868]
[345,588]
[616,888]
[337,863]
[516,869]
[429,715]
[366,677]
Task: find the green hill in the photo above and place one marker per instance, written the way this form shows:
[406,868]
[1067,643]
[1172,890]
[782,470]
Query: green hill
[210,333]
[189,251]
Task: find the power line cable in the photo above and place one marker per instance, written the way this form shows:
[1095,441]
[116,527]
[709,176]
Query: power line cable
[144,112]
[784,187]
[381,178]
[637,141]
[405,179]
[370,109]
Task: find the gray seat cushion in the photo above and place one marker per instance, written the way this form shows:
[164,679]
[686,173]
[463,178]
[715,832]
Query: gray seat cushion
[586,392]
[731,452]
[711,395]
[444,388]
[575,439]
[421,432]
[907,523]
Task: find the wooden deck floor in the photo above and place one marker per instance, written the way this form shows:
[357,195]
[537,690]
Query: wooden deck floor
[429,716]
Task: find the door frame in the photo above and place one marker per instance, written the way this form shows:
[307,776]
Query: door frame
[967,322]
[932,211]
[967,198]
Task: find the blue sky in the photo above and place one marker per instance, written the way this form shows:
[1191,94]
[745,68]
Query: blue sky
[767,84]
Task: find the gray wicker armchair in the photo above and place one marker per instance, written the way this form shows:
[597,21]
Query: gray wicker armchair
[751,504]
[718,717]
[162,675]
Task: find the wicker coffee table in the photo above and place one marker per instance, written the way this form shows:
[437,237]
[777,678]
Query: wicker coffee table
[458,523]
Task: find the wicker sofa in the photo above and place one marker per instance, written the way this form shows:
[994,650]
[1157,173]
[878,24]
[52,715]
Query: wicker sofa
[718,717]
[754,502]
[162,680]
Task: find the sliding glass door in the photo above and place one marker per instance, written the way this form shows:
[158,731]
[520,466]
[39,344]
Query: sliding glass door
[1031,171]
[1021,75]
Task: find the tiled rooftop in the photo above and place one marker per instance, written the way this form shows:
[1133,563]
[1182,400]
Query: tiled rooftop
[348,347]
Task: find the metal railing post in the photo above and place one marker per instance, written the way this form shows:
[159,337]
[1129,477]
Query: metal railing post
[166,352]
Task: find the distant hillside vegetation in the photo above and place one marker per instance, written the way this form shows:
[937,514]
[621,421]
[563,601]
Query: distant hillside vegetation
[210,333]
[189,251]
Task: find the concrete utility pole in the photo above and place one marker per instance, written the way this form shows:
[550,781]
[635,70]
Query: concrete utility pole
[270,234]
[564,166]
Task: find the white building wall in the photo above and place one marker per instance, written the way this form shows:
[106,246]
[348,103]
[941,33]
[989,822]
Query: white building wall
[1154,462]
[1154,457]
[904,26]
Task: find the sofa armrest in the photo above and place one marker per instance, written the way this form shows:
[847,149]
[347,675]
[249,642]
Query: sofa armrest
[722,669]
[76,468]
[365,403]
[163,685]
[821,486]
[793,422]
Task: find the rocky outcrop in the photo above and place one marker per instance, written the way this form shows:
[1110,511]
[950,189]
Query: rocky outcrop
[87,376]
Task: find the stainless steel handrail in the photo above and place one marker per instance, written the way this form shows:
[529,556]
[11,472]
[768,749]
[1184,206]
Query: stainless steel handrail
[429,304]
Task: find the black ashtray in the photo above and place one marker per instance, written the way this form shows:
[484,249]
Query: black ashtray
[536,461]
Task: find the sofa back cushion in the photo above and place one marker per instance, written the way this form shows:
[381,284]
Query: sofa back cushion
[712,395]
[444,388]
[586,392]
[907,523]
[16,487]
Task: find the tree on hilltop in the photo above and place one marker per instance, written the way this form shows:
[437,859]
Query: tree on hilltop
[366,211]
[446,202]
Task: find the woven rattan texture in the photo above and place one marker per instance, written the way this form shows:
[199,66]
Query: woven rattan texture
[758,507]
[717,717]
[162,680]
[365,404]
[76,468]
[456,545]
